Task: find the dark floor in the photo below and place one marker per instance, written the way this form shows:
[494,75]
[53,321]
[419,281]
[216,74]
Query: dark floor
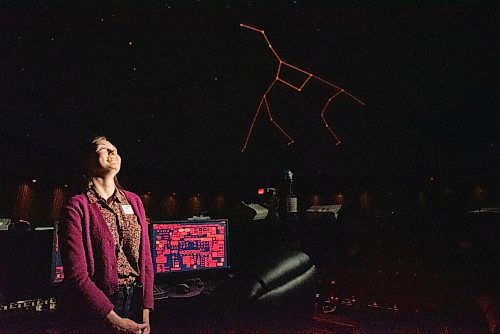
[387,276]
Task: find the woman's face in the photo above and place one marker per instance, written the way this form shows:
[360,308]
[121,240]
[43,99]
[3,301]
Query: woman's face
[108,159]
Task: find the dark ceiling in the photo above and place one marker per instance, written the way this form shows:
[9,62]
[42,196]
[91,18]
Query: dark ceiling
[175,85]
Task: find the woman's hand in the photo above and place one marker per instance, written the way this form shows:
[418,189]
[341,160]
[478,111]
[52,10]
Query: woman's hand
[126,325]
[130,326]
[145,319]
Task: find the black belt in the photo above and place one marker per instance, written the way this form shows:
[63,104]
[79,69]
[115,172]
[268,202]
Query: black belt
[127,287]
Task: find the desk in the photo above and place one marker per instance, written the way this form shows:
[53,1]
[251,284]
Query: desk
[271,279]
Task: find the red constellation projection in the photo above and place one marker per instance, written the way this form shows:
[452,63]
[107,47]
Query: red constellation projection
[308,76]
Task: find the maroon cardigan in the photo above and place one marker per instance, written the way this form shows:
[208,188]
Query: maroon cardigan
[89,260]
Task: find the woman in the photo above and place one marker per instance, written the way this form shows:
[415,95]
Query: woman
[105,251]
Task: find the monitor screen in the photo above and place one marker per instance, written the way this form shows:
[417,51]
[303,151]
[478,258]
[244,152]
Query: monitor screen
[56,270]
[186,245]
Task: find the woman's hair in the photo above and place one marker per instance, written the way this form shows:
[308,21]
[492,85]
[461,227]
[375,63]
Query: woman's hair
[90,168]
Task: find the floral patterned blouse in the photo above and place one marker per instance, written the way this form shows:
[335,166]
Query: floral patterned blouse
[126,230]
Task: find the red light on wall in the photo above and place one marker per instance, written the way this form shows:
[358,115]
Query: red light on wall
[219,203]
[195,205]
[479,193]
[339,199]
[315,200]
[171,206]
[365,199]
[261,191]
[58,200]
[24,205]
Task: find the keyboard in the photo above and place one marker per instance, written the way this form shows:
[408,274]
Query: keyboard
[162,291]
[35,305]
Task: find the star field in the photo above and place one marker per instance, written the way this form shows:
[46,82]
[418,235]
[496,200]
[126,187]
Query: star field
[175,85]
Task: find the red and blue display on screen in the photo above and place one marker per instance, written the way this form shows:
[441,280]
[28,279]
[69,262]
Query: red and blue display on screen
[56,270]
[180,246]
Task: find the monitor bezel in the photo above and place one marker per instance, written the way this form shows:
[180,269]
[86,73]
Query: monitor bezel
[55,253]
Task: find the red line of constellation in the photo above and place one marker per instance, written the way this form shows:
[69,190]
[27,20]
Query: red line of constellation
[263,100]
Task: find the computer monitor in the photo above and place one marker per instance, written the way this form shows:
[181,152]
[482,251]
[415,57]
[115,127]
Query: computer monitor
[56,270]
[187,246]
